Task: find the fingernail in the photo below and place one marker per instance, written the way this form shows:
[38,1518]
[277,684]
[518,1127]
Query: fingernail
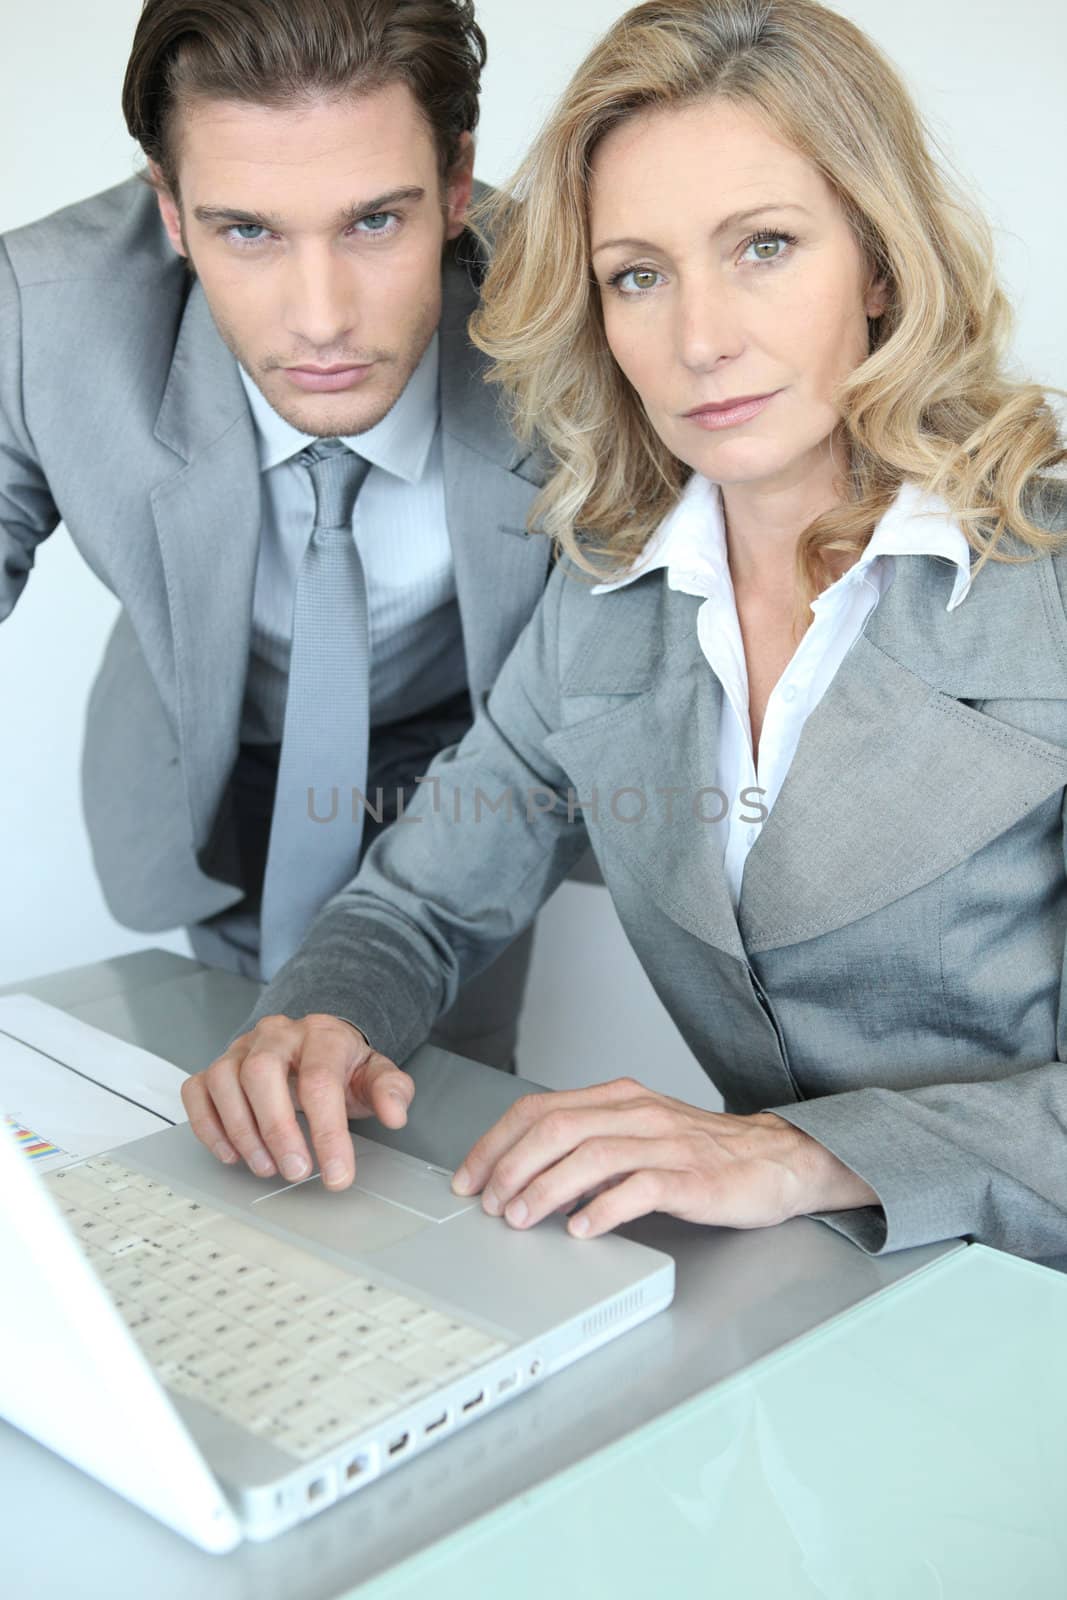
[578,1225]
[401,1100]
[225,1152]
[490,1203]
[517,1212]
[461,1181]
[262,1164]
[294,1167]
[334,1172]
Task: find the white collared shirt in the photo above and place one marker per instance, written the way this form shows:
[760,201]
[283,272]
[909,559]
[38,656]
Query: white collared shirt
[400,528]
[690,544]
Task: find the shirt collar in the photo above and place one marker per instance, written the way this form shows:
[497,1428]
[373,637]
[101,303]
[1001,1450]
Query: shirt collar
[399,444]
[690,543]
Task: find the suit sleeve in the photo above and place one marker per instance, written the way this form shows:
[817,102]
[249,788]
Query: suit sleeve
[985,1161]
[444,890]
[27,511]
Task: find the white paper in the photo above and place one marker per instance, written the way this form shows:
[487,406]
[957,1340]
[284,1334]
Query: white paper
[77,1087]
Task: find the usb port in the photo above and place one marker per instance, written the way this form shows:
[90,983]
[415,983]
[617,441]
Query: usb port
[399,1444]
[438,1422]
[475,1400]
[507,1383]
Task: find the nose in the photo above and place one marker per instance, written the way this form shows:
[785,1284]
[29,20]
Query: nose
[318,302]
[709,323]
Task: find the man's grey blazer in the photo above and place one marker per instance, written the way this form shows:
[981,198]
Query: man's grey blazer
[122,413]
[893,979]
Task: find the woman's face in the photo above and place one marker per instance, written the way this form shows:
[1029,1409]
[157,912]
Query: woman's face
[735,295]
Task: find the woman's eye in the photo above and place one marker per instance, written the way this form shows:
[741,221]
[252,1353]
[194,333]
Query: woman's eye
[635,280]
[767,247]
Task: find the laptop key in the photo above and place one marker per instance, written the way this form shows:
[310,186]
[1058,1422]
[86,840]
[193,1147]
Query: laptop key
[305,1336]
[392,1380]
[431,1363]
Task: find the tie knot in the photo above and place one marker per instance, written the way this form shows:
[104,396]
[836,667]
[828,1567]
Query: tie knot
[337,475]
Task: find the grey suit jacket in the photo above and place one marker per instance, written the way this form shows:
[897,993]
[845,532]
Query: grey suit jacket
[893,980]
[122,413]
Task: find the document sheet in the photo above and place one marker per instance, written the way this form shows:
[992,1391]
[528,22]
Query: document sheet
[68,1090]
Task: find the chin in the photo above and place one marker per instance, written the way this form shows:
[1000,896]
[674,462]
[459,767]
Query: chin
[332,416]
[734,461]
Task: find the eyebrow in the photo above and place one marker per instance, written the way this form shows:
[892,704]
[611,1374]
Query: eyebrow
[732,221]
[270,219]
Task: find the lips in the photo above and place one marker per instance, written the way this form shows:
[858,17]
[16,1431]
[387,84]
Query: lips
[722,414]
[718,407]
[328,380]
[322,372]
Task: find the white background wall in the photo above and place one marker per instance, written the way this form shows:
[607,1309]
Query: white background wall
[989,78]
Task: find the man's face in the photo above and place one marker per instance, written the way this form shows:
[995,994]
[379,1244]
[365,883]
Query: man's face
[317,235]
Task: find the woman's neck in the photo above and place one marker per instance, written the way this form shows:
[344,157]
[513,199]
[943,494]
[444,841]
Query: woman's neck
[764,521]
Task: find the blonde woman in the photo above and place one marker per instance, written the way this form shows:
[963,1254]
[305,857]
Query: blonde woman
[811,713]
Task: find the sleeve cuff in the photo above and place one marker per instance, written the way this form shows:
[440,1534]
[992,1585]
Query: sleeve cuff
[929,1190]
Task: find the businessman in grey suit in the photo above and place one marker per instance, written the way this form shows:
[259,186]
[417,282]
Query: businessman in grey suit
[199,375]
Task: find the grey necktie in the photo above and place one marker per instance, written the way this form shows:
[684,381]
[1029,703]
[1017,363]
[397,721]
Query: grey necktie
[315,827]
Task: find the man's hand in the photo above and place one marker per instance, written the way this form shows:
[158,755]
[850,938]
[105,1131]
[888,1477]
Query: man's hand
[319,1065]
[637,1151]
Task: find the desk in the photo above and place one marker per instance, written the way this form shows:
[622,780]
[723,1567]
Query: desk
[804,1420]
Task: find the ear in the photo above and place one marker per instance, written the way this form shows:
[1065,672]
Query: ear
[168,208]
[877,298]
[459,186]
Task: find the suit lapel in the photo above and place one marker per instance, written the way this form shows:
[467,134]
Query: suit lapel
[651,761]
[490,484]
[207,521]
[896,779]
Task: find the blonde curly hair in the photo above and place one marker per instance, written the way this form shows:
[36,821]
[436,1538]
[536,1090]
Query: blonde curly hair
[931,403]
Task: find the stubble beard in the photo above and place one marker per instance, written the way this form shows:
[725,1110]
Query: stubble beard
[344,415]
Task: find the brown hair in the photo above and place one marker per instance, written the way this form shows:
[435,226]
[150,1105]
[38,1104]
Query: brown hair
[932,403]
[277,52]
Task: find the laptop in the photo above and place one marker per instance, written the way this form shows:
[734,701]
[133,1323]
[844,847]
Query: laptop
[234,1354]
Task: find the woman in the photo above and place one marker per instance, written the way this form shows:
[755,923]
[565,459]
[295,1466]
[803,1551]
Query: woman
[812,716]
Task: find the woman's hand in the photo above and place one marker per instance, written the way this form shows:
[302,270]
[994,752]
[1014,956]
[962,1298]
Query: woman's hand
[639,1151]
[320,1065]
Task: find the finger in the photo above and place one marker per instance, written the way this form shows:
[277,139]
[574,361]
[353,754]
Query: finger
[230,1103]
[381,1089]
[596,1165]
[267,1074]
[529,1109]
[203,1121]
[641,1193]
[330,1058]
[560,1132]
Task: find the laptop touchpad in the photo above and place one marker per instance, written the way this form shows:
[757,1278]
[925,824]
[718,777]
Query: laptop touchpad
[391,1199]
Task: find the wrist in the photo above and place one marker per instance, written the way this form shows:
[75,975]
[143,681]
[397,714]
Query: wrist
[823,1183]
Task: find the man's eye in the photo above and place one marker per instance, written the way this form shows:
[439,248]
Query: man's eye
[378,222]
[246,232]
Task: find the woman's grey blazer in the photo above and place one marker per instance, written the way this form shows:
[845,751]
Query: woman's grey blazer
[893,979]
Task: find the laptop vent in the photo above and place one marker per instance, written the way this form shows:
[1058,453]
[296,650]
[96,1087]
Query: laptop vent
[608,1314]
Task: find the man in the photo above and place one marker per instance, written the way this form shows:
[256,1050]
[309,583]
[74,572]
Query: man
[246,387]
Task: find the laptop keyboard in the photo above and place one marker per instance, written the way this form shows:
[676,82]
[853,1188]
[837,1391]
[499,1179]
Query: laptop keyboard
[269,1336]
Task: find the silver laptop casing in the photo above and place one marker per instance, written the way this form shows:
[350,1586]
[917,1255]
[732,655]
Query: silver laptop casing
[550,1297]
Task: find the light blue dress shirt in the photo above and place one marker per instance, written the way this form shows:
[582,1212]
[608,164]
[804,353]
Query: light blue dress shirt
[400,527]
